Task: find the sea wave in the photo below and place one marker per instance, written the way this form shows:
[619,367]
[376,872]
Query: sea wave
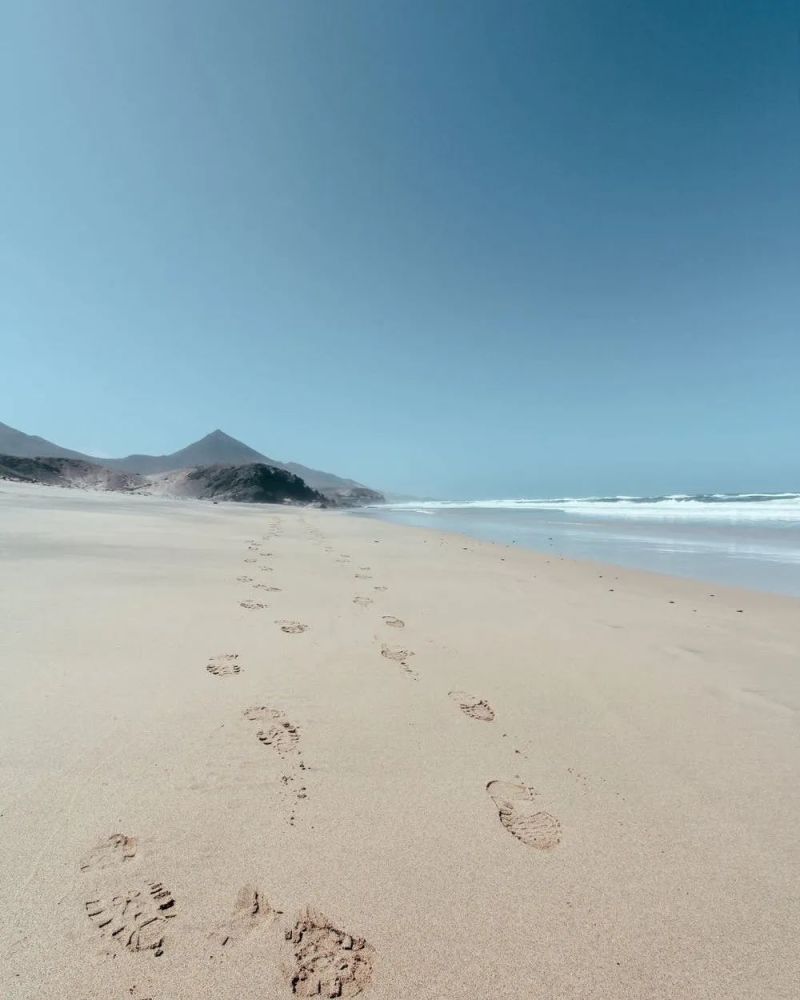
[703,506]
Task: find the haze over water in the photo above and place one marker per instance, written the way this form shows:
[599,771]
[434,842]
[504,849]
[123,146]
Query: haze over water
[748,540]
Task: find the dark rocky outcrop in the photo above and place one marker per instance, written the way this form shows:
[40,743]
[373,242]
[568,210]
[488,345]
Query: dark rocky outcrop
[68,472]
[253,483]
[355,496]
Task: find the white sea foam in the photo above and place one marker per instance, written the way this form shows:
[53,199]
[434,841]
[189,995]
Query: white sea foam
[712,507]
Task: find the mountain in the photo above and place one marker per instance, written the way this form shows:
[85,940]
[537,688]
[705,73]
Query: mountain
[14,442]
[216,448]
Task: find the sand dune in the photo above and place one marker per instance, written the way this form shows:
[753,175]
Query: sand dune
[410,765]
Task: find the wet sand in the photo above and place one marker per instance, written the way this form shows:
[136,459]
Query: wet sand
[256,752]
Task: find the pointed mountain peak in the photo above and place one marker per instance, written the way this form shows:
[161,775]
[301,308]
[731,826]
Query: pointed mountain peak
[219,435]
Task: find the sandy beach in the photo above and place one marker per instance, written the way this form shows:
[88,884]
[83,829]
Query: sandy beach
[248,752]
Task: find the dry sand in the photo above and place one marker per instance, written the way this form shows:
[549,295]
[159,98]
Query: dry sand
[424,767]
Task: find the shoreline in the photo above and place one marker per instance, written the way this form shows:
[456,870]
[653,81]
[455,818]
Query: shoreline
[693,551]
[506,773]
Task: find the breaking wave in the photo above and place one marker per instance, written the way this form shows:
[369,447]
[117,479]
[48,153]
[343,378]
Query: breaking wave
[702,506]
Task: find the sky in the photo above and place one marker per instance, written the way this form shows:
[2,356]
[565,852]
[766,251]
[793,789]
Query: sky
[451,249]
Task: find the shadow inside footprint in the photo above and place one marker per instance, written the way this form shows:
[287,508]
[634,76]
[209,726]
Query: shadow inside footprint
[533,827]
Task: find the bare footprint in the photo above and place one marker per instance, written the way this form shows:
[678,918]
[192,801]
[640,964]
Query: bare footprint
[253,605]
[362,576]
[293,628]
[519,816]
[258,713]
[327,962]
[250,560]
[362,602]
[136,919]
[475,708]
[380,588]
[393,622]
[266,586]
[224,665]
[114,850]
[244,579]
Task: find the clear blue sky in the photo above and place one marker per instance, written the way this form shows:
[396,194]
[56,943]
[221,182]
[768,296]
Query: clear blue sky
[454,248]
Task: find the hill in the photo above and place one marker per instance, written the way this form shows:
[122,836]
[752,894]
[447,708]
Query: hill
[251,483]
[68,472]
[216,448]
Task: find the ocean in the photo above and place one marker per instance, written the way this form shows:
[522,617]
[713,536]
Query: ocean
[747,540]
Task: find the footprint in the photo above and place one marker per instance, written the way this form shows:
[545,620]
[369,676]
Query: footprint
[252,605]
[257,713]
[327,962]
[475,708]
[400,656]
[224,665]
[380,588]
[250,560]
[265,569]
[363,576]
[283,737]
[365,569]
[362,602]
[265,586]
[520,817]
[293,628]
[244,579]
[115,850]
[251,912]
[137,919]
[394,622]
